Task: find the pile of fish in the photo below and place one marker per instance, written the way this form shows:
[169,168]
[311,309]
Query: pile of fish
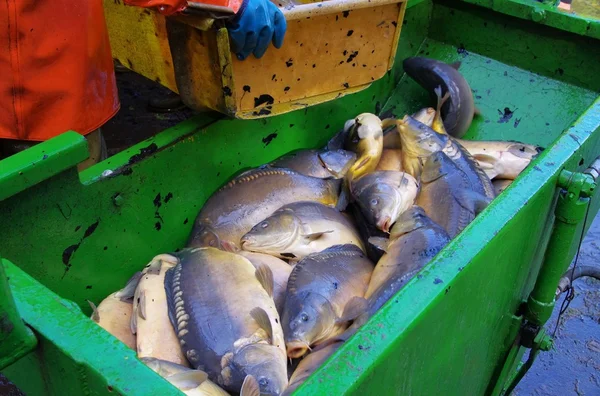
[287,261]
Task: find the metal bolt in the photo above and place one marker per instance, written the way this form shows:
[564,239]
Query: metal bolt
[538,15]
[118,200]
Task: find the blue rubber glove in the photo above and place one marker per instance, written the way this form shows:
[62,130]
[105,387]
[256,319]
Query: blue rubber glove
[257,23]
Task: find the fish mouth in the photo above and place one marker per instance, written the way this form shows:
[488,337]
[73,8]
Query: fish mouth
[296,349]
[385,224]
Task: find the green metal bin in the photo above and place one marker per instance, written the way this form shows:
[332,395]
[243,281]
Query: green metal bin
[457,328]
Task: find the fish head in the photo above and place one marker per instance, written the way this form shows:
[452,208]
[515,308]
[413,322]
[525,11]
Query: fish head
[337,162]
[382,201]
[425,116]
[274,234]
[412,219]
[418,139]
[365,126]
[307,319]
[437,165]
[265,362]
[204,236]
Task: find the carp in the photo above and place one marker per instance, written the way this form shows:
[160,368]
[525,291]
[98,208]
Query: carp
[447,195]
[383,195]
[459,109]
[251,197]
[323,291]
[223,312]
[150,318]
[299,229]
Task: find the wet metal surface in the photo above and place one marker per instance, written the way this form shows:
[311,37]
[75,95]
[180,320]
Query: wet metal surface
[572,367]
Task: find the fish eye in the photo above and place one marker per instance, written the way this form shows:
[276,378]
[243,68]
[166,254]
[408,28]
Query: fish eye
[264,224]
[263,382]
[374,202]
[304,317]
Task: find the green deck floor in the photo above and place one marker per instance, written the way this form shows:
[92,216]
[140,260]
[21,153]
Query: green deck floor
[515,104]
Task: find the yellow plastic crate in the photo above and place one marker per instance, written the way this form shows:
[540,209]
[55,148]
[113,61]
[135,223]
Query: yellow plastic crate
[331,48]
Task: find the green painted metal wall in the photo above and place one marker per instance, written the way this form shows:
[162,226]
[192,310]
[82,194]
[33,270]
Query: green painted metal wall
[447,332]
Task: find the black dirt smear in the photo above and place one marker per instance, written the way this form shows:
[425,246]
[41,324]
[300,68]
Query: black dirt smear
[157,204]
[272,78]
[77,228]
[264,111]
[517,121]
[157,226]
[90,230]
[377,107]
[67,254]
[157,201]
[461,50]
[88,287]
[247,87]
[350,32]
[168,197]
[227,91]
[395,23]
[346,85]
[286,89]
[289,62]
[437,281]
[185,221]
[560,71]
[345,14]
[263,99]
[506,115]
[352,56]
[269,138]
[144,152]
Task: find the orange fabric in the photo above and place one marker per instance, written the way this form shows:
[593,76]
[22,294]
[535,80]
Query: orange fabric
[169,7]
[56,69]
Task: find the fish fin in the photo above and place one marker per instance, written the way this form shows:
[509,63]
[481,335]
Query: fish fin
[95,315]
[472,200]
[345,336]
[229,247]
[154,265]
[316,235]
[455,65]
[388,122]
[250,387]
[476,111]
[379,242]
[261,317]
[168,283]
[188,379]
[142,305]
[353,309]
[265,277]
[128,291]
[440,100]
[362,163]
[488,160]
[344,197]
[487,163]
[133,323]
